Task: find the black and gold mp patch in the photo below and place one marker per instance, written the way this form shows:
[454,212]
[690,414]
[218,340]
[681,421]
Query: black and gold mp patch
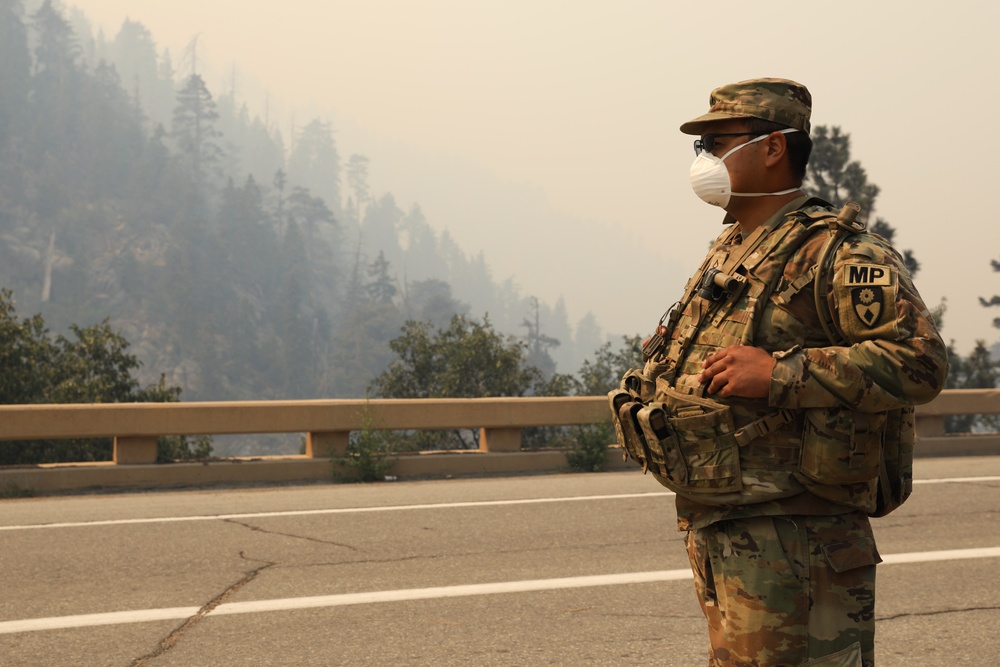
[867,283]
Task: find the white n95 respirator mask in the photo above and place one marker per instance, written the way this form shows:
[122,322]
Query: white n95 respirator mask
[710,176]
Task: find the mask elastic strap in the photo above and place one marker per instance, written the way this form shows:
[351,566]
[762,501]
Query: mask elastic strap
[753,141]
[764,194]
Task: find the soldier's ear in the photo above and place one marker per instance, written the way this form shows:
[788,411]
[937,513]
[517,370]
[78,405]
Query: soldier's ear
[776,147]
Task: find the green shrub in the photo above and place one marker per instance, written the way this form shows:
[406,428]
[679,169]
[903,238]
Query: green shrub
[590,447]
[370,453]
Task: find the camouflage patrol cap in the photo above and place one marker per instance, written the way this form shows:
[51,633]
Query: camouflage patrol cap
[778,100]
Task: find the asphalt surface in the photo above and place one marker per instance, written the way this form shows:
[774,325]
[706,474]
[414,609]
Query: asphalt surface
[502,571]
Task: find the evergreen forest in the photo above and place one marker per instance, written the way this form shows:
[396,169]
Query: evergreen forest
[238,263]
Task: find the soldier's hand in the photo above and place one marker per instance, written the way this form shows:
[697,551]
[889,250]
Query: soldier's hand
[739,370]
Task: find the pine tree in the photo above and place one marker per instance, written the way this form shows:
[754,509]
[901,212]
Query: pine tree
[357,180]
[835,177]
[316,223]
[292,319]
[56,82]
[381,288]
[315,162]
[995,299]
[134,55]
[15,68]
[538,344]
[382,227]
[248,238]
[421,258]
[195,133]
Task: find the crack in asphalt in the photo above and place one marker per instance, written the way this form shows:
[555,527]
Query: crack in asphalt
[367,561]
[429,557]
[171,640]
[448,554]
[936,612]
[258,529]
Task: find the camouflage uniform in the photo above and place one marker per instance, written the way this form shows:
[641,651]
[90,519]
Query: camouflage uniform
[778,531]
[781,590]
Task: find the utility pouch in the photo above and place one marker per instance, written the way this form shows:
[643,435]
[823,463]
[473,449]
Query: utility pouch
[638,385]
[630,439]
[702,432]
[687,442]
[662,442]
[632,387]
[635,436]
[841,446]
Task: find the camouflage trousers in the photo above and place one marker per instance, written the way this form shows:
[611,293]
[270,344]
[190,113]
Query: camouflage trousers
[787,591]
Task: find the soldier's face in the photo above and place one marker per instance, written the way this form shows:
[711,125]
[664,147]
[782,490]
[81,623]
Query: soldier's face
[744,164]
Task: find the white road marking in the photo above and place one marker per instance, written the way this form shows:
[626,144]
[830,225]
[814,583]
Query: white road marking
[449,592]
[931,556]
[954,480]
[400,508]
[342,510]
[94,620]
[327,601]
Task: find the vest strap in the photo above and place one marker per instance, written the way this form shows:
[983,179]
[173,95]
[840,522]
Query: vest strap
[796,286]
[763,426]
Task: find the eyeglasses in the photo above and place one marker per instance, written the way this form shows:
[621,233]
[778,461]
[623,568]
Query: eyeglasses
[707,141]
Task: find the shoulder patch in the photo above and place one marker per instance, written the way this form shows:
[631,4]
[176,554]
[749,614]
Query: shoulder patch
[866,294]
[867,275]
[869,304]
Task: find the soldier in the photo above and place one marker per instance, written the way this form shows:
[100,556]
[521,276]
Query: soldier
[798,349]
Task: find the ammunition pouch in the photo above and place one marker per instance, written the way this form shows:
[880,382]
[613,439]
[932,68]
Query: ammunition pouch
[689,443]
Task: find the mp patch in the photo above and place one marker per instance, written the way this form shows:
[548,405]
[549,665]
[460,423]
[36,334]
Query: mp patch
[866,298]
[867,275]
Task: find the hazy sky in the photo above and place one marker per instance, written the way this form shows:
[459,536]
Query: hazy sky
[575,104]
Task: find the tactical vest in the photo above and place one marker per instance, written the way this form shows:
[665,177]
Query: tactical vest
[743,451]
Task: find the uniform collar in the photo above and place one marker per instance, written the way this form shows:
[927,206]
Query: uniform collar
[794,205]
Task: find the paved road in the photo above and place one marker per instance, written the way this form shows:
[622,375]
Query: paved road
[546,570]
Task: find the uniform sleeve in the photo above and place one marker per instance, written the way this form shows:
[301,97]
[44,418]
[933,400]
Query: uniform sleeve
[892,356]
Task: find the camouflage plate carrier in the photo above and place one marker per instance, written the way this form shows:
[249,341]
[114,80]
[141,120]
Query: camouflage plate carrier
[741,453]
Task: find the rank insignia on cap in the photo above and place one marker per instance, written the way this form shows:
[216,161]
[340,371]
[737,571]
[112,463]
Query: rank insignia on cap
[868,305]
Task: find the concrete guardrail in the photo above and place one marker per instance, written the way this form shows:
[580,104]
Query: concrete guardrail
[327,425]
